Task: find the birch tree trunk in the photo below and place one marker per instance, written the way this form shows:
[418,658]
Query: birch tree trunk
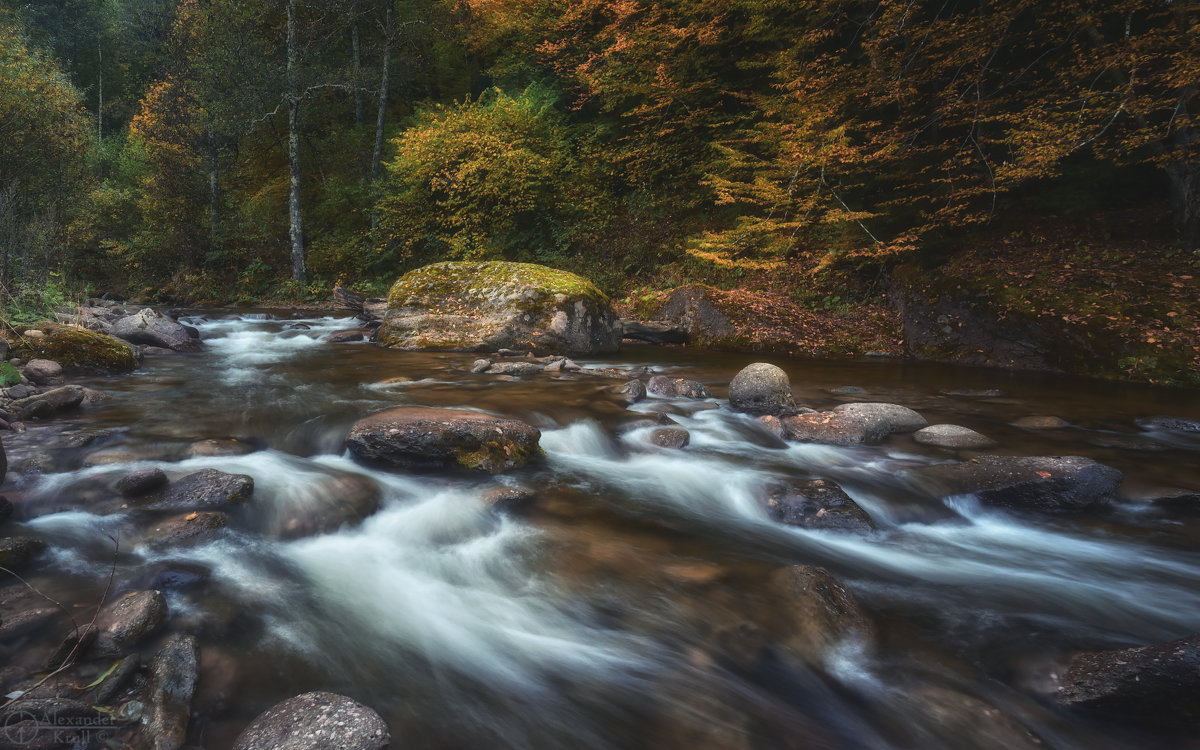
[381,115]
[295,227]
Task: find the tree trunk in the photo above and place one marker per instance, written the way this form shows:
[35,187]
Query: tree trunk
[214,188]
[358,99]
[381,115]
[99,91]
[295,227]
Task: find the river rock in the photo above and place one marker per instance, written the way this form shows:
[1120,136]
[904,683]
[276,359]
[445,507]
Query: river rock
[186,529]
[207,488]
[127,621]
[832,428]
[480,366]
[1024,482]
[632,391]
[141,482]
[960,720]
[17,551]
[422,438]
[761,388]
[661,385]
[897,418]
[156,351]
[348,336]
[43,372]
[1150,684]
[508,499]
[58,399]
[673,438]
[817,504]
[516,369]
[148,326]
[498,305]
[169,690]
[316,721]
[220,675]
[325,506]
[1036,422]
[820,613]
[1172,424]
[214,448]
[79,350]
[952,436]
[6,507]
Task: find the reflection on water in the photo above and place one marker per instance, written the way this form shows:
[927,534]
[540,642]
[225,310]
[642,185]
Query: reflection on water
[623,608]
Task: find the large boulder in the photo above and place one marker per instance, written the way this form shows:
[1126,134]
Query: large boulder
[1153,683]
[761,388]
[496,305]
[207,488]
[78,350]
[152,328]
[316,721]
[424,438]
[831,428]
[1023,482]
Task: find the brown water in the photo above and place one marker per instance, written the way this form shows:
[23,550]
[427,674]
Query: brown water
[629,606]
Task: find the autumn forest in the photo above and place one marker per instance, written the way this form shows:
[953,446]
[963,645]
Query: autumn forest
[213,150]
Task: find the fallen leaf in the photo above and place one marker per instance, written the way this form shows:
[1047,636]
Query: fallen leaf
[1044,474]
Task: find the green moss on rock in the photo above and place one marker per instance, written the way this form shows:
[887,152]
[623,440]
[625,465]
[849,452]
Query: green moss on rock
[79,350]
[484,306]
[8,375]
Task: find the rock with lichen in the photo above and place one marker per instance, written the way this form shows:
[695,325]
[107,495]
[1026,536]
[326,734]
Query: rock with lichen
[457,306]
[416,437]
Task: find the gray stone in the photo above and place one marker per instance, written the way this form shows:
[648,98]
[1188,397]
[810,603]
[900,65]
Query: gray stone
[661,385]
[186,529]
[480,366]
[516,369]
[1152,683]
[152,328]
[633,391]
[212,447]
[169,690]
[1023,483]
[952,436]
[207,488]
[316,721]
[58,399]
[420,437]
[127,621]
[43,372]
[761,388]
[142,481]
[832,428]
[670,437]
[346,337]
[897,418]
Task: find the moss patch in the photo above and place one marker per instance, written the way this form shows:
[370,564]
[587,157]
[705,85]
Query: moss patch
[8,375]
[79,350]
[447,285]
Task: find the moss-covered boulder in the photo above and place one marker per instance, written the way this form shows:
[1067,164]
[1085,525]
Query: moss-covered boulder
[498,305]
[79,350]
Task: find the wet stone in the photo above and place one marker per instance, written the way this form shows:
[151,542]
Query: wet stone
[817,504]
[207,488]
[1041,423]
[952,436]
[17,551]
[661,385]
[142,482]
[316,721]
[127,621]
[673,438]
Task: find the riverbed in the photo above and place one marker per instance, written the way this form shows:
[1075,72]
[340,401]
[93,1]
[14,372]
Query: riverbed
[627,605]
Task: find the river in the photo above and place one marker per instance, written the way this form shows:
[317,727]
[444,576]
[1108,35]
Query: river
[626,607]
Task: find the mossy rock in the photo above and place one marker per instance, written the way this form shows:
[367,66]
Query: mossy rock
[79,350]
[8,375]
[487,306]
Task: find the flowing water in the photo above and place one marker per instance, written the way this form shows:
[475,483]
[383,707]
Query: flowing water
[629,606]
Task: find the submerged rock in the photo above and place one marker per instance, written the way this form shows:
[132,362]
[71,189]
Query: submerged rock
[1171,424]
[1024,483]
[423,438]
[56,400]
[820,612]
[1153,683]
[632,391]
[952,436]
[1036,422]
[761,388]
[17,551]
[817,504]
[498,305]
[670,437]
[141,482]
[316,721]
[331,503]
[186,528]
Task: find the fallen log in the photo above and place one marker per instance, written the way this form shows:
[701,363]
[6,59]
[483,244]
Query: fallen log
[370,309]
